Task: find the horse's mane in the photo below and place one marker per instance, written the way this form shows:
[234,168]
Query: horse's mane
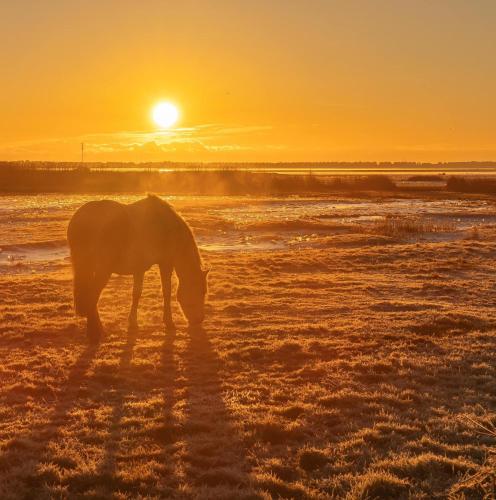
[156,199]
[183,226]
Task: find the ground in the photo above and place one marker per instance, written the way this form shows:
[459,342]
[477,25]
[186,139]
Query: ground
[359,368]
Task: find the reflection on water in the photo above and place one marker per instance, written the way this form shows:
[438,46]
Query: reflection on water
[32,234]
[401,170]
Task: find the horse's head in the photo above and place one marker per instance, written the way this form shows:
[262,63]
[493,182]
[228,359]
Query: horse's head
[191,296]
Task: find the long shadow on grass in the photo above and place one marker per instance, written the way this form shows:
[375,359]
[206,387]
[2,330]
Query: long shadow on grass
[168,432]
[20,451]
[106,473]
[215,455]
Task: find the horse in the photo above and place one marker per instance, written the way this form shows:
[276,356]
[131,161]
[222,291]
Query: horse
[108,237]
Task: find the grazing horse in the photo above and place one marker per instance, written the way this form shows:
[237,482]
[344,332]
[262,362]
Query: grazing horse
[108,237]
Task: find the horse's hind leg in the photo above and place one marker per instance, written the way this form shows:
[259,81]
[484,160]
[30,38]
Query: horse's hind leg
[94,325]
[137,290]
[166,276]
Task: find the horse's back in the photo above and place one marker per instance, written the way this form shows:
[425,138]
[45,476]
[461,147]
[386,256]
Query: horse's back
[98,230]
[125,238]
[93,219]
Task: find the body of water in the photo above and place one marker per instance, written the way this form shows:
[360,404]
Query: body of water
[33,228]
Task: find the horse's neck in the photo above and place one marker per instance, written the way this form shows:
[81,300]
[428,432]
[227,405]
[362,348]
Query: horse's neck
[187,262]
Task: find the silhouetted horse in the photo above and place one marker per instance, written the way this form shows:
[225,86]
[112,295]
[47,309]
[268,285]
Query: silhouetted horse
[108,237]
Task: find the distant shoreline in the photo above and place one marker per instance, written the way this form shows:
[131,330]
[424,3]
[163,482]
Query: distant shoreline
[317,168]
[83,179]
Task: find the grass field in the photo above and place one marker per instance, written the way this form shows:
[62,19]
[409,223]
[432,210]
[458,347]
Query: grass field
[362,367]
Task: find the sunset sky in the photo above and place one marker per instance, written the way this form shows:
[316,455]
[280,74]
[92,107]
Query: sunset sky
[255,80]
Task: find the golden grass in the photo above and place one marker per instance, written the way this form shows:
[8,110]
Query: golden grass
[351,371]
[409,226]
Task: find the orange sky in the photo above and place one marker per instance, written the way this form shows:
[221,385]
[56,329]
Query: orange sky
[255,80]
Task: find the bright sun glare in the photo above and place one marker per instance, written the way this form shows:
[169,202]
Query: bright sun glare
[165,114]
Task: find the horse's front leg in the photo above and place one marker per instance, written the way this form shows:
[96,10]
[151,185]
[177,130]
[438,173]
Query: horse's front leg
[137,290]
[166,276]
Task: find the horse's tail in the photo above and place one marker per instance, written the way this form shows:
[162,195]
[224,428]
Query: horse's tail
[83,275]
[82,268]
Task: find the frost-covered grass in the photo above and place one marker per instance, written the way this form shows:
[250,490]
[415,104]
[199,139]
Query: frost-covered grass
[352,370]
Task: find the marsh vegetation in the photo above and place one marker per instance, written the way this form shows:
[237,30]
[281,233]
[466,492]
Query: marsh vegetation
[347,352]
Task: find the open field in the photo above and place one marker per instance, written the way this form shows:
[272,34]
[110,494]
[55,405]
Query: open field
[348,352]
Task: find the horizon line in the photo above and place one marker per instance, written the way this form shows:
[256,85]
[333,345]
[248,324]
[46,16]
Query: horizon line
[299,162]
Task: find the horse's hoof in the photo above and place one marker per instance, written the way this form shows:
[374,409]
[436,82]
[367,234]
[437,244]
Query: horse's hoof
[95,333]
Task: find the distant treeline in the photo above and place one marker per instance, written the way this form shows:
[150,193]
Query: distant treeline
[250,165]
[221,182]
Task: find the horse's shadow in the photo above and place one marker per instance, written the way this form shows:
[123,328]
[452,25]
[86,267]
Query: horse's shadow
[108,478]
[43,433]
[108,466]
[212,454]
[215,454]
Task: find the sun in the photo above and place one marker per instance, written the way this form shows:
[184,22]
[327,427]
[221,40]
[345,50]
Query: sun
[165,114]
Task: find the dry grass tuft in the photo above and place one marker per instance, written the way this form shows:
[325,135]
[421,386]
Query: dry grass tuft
[277,488]
[311,458]
[453,323]
[399,226]
[276,432]
[292,412]
[379,485]
[481,484]
[428,465]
